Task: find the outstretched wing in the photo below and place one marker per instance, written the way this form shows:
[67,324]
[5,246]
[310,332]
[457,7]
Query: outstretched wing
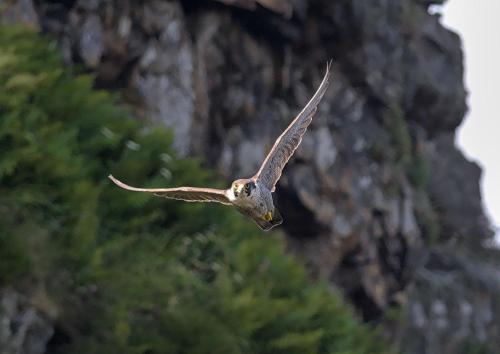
[188,194]
[284,147]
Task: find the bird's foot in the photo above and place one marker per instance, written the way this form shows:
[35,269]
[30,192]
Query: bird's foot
[268,216]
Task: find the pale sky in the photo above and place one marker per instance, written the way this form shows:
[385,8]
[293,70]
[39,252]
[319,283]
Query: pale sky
[478,23]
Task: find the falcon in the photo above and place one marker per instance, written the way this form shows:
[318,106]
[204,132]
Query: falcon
[252,196]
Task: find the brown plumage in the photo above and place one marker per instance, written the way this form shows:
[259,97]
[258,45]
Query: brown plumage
[286,144]
[252,196]
[188,194]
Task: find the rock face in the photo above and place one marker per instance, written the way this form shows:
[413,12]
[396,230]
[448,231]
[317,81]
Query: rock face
[23,329]
[454,296]
[377,182]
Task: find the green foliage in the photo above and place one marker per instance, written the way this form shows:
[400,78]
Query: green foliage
[471,347]
[129,273]
[407,157]
[418,171]
[427,215]
[14,261]
[396,125]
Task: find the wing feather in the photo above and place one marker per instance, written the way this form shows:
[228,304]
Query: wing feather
[188,194]
[286,144]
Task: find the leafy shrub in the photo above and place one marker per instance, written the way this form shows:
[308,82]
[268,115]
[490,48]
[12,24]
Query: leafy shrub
[128,273]
[395,123]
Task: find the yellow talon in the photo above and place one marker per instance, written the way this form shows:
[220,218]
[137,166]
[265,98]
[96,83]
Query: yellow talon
[268,216]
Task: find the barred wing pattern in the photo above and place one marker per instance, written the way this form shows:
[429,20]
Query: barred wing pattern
[188,194]
[286,144]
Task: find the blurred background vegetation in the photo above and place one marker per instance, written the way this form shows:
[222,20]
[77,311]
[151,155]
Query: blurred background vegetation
[124,272]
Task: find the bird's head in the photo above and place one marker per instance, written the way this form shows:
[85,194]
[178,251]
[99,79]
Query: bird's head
[242,188]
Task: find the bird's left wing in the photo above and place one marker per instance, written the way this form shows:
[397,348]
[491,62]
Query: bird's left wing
[188,194]
[284,147]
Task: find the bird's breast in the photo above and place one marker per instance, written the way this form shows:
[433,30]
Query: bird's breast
[247,201]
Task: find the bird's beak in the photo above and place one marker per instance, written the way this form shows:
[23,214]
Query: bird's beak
[268,216]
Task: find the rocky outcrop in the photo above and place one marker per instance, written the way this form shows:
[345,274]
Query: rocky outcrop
[23,328]
[377,182]
[452,306]
[454,187]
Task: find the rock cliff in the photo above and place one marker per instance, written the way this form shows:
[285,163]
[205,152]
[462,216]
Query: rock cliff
[378,199]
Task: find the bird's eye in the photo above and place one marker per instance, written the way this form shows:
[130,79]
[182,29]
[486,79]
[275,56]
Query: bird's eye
[249,187]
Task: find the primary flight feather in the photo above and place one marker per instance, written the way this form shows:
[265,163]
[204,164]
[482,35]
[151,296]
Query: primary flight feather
[252,196]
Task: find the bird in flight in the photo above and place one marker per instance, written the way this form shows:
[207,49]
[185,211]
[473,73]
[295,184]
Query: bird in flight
[252,196]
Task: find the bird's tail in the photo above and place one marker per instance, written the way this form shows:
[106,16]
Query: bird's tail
[275,221]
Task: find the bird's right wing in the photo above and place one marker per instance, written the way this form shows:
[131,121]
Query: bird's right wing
[188,194]
[286,144]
